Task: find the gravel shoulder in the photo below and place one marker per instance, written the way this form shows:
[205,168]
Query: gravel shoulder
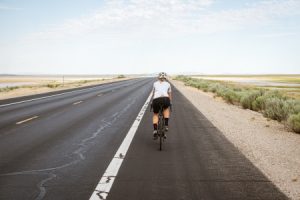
[266,143]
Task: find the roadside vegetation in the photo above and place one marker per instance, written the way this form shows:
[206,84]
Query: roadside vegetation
[52,85]
[121,76]
[274,104]
[7,89]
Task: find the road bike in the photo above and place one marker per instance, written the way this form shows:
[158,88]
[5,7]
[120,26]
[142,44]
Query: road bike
[161,129]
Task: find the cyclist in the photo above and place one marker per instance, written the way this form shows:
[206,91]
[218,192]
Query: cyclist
[161,94]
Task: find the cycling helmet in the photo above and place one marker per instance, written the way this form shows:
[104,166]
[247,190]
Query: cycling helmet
[162,75]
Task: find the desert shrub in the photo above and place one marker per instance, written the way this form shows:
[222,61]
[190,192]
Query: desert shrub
[294,122]
[214,87]
[292,106]
[249,97]
[230,96]
[272,103]
[202,85]
[190,82]
[7,89]
[221,91]
[275,108]
[52,85]
[237,89]
[258,103]
[274,94]
[121,76]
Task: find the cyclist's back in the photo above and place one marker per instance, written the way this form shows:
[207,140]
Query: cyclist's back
[161,98]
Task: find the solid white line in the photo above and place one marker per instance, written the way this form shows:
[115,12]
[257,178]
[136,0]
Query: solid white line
[54,95]
[78,102]
[26,120]
[107,180]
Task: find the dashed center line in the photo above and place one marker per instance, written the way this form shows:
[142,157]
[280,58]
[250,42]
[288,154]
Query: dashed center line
[99,95]
[26,120]
[78,102]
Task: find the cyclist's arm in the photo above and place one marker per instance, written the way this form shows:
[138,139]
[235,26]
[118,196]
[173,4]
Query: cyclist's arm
[170,96]
[152,95]
[170,93]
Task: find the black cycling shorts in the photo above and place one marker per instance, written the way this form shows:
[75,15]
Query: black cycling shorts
[164,101]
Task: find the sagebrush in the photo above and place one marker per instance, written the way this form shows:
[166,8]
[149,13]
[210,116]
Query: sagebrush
[272,103]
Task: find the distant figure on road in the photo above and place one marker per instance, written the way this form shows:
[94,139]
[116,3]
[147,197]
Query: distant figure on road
[161,95]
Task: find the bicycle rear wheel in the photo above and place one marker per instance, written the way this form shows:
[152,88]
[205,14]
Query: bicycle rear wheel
[161,131]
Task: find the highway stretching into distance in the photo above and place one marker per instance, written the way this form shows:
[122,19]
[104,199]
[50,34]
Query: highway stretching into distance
[59,145]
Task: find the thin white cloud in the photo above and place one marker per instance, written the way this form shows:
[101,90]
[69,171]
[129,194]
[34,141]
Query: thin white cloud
[170,16]
[277,35]
[7,8]
[251,15]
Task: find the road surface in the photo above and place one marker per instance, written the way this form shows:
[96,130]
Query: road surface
[58,146]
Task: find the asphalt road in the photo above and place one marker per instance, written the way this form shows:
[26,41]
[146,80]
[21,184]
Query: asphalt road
[59,147]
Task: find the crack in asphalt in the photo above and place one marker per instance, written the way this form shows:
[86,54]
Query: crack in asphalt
[42,188]
[50,172]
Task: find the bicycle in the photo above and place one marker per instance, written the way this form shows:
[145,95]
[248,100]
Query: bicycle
[161,125]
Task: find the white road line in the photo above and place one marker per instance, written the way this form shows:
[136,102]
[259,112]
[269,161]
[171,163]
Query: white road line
[99,95]
[26,120]
[107,179]
[78,102]
[29,100]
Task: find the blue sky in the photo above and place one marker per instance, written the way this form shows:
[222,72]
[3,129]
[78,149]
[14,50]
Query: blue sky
[142,36]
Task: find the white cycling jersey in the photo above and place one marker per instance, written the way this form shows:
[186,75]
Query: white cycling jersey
[161,89]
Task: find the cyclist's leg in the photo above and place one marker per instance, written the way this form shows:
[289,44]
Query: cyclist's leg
[167,116]
[166,113]
[155,105]
[155,120]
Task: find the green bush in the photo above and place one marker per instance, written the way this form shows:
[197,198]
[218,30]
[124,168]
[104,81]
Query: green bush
[259,103]
[6,89]
[272,103]
[275,94]
[292,106]
[294,122]
[275,108]
[214,87]
[231,96]
[249,97]
[221,90]
[121,76]
[52,85]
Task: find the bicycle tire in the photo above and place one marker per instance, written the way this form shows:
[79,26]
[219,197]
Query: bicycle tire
[161,130]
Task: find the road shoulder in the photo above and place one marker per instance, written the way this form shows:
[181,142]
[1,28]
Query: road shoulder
[267,144]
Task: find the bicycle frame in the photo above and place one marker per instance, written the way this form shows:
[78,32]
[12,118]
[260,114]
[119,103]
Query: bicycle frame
[161,127]
[161,124]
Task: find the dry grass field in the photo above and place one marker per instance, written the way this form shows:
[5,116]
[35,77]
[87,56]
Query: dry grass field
[16,86]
